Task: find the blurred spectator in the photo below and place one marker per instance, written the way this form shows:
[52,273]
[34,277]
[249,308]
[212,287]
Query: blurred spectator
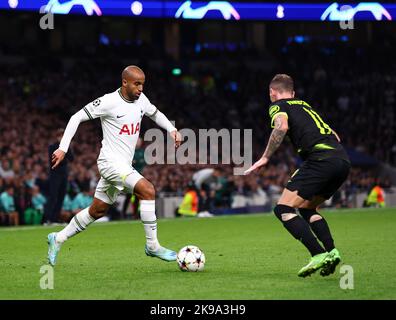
[57,182]
[213,186]
[8,206]
[220,192]
[67,209]
[256,193]
[82,200]
[6,170]
[376,197]
[34,214]
[203,176]
[189,205]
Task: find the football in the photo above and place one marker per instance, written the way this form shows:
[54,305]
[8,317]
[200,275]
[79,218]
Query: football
[191,258]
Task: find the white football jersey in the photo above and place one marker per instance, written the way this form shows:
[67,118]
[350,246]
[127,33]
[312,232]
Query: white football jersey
[121,121]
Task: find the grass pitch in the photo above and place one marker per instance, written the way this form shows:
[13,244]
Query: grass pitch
[248,257]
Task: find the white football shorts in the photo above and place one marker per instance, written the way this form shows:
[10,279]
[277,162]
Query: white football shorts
[114,180]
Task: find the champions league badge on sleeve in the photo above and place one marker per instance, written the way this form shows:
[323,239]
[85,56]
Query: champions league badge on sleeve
[96,103]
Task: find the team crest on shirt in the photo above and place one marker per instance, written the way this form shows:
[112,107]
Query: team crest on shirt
[274,109]
[96,102]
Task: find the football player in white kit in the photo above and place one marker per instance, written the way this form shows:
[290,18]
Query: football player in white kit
[120,113]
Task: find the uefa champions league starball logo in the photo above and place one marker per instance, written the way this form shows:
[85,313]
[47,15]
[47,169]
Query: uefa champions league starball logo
[186,11]
[346,13]
[90,7]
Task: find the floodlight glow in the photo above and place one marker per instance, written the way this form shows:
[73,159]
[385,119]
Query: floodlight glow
[137,8]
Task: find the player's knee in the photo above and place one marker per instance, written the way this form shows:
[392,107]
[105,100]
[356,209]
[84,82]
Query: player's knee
[315,217]
[310,215]
[97,214]
[148,193]
[284,213]
[98,211]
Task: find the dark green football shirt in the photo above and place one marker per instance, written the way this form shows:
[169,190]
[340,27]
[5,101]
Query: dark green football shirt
[311,136]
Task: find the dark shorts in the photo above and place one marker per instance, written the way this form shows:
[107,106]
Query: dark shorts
[319,178]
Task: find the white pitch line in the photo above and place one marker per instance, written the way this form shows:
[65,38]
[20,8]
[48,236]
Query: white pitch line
[111,223]
[26,228]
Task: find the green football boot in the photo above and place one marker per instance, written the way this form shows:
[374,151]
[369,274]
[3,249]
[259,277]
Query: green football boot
[316,262]
[333,259]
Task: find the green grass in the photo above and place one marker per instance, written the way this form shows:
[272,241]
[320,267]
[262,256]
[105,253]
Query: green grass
[248,257]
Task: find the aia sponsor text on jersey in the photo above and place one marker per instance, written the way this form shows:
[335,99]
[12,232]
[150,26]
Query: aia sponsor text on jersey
[130,129]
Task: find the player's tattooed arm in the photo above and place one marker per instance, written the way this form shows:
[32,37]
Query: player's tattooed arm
[277,135]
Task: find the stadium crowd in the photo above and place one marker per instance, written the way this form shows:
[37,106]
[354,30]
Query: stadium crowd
[37,98]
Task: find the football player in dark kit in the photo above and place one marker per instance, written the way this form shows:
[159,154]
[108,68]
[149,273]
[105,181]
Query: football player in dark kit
[326,166]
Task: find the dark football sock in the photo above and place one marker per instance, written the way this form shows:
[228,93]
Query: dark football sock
[322,231]
[300,230]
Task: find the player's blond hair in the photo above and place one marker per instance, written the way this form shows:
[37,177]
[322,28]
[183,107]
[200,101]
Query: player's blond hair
[282,82]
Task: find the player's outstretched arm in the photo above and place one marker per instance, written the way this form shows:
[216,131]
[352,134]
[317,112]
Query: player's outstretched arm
[68,135]
[162,121]
[277,135]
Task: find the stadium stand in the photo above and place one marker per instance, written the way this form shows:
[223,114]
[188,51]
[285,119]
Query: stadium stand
[39,94]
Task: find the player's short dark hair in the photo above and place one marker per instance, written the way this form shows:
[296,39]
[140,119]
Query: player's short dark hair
[282,82]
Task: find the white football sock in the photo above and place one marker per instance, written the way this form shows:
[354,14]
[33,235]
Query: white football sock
[79,223]
[147,215]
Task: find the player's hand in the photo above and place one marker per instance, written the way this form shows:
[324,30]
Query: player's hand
[256,165]
[57,157]
[177,137]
